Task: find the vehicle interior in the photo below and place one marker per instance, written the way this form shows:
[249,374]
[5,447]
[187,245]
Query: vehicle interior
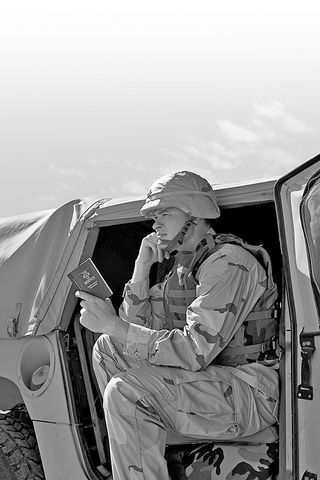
[114,253]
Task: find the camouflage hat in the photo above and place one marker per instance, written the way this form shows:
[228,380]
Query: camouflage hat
[185,190]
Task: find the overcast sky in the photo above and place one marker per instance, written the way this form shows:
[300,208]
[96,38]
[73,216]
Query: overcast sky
[100,97]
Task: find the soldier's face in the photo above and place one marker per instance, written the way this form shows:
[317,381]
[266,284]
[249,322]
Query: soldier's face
[167,223]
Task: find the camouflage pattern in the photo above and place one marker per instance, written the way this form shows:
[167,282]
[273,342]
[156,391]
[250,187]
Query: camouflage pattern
[185,190]
[259,327]
[146,406]
[214,461]
[163,379]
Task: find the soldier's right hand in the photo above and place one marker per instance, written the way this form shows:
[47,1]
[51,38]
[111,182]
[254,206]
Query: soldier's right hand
[150,252]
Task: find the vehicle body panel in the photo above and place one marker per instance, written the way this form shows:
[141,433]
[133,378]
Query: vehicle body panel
[303,318]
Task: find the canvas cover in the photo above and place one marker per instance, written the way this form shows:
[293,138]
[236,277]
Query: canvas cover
[34,253]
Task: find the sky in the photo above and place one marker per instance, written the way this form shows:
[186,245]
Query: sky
[98,98]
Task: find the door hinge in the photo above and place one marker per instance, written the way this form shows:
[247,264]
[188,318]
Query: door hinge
[309,476]
[305,390]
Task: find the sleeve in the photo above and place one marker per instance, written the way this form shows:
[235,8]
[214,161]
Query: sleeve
[143,306]
[230,283]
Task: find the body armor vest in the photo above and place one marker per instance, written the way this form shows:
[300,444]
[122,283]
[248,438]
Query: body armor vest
[255,340]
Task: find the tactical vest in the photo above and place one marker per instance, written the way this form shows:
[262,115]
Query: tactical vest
[256,339]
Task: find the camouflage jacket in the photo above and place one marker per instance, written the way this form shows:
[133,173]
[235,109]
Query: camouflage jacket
[210,323]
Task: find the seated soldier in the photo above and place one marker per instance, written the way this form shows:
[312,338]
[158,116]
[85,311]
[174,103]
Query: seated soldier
[195,353]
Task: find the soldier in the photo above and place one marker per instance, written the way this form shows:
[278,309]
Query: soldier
[195,354]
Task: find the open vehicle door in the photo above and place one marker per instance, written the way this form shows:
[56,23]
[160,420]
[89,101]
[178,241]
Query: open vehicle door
[298,208]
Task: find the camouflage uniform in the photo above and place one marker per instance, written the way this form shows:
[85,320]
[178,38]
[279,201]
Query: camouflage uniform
[164,379]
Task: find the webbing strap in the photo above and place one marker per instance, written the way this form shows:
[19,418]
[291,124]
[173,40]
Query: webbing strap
[181,293]
[178,308]
[249,349]
[253,316]
[260,315]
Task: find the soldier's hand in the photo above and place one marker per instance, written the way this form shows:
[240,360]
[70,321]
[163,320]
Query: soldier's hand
[150,252]
[96,314]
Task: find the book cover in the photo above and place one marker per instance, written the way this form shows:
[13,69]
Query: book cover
[87,278]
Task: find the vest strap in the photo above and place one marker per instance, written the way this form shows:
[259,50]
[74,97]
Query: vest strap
[181,293]
[178,308]
[261,315]
[252,317]
[249,349]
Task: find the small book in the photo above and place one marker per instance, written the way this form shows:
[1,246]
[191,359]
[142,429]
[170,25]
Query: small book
[87,278]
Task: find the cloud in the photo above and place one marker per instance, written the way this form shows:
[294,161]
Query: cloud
[275,111]
[236,132]
[271,109]
[267,145]
[66,186]
[63,172]
[274,159]
[133,181]
[134,187]
[204,153]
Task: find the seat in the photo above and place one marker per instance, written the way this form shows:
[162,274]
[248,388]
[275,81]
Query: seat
[254,456]
[267,435]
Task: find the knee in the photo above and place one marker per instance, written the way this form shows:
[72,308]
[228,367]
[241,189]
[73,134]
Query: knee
[122,393]
[115,394]
[98,348]
[99,344]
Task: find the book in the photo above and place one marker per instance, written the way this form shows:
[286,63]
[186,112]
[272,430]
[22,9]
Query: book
[87,278]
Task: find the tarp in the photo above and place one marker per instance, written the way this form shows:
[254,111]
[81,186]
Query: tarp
[34,250]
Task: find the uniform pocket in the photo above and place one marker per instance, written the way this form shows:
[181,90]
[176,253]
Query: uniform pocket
[205,405]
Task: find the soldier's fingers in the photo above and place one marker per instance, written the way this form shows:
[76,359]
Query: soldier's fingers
[83,295]
[159,254]
[152,237]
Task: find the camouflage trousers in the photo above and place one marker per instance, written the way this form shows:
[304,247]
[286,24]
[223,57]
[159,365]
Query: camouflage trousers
[147,407]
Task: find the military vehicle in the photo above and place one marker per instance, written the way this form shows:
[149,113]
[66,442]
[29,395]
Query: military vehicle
[52,426]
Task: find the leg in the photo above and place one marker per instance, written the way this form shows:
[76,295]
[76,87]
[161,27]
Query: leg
[139,405]
[108,360]
[143,404]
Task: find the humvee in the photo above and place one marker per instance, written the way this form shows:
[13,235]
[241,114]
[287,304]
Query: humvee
[52,426]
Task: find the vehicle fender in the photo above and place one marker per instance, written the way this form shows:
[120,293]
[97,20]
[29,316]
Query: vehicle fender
[10,394]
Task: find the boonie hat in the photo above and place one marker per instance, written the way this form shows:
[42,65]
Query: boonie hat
[185,190]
